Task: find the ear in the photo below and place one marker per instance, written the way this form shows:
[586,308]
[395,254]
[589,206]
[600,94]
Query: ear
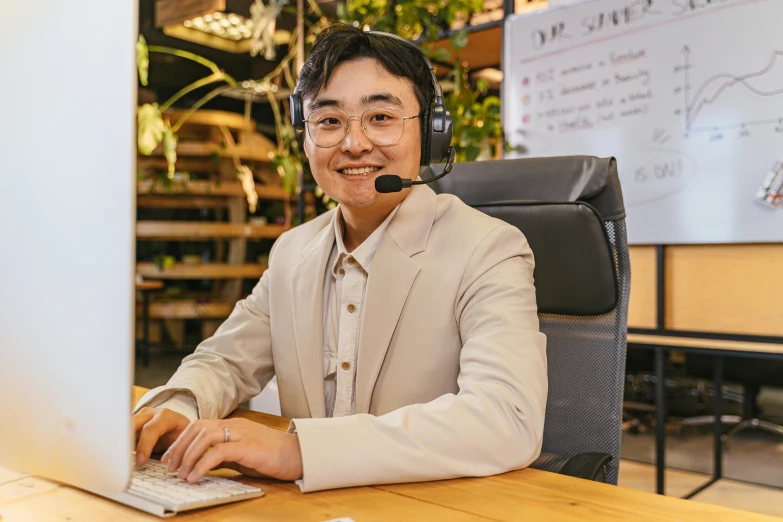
[300,139]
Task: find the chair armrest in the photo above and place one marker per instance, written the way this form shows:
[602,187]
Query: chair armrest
[590,466]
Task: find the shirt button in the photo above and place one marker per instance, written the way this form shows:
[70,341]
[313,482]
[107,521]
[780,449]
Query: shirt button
[346,366]
[351,308]
[341,272]
[350,260]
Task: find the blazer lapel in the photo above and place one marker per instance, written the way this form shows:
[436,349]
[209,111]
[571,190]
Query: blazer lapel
[307,301]
[391,278]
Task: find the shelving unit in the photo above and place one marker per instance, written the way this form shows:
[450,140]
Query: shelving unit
[201,271]
[196,230]
[205,182]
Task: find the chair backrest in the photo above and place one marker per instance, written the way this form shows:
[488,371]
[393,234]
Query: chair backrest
[571,211]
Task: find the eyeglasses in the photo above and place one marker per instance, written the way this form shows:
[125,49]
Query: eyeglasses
[383,126]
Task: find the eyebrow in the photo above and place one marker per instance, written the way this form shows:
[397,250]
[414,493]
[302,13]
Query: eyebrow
[325,102]
[368,99]
[385,97]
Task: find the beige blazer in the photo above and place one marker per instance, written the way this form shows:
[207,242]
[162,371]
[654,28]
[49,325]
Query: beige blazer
[451,376]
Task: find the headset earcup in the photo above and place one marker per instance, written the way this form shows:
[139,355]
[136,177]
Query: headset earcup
[440,140]
[426,136]
[297,114]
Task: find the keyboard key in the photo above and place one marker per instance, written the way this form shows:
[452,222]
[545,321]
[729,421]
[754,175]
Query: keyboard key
[154,483]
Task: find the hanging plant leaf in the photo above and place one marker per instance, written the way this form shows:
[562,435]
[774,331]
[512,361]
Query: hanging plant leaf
[289,168]
[441,55]
[151,128]
[460,39]
[170,148]
[245,176]
[142,59]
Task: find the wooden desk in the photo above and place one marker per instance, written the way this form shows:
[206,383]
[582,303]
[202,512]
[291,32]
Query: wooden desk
[520,495]
[149,285]
[705,344]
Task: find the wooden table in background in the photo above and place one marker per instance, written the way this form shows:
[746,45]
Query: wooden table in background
[520,495]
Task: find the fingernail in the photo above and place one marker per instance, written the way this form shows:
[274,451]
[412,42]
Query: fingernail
[165,457]
[139,459]
[192,477]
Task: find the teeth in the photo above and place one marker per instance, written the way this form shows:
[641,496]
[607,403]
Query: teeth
[357,172]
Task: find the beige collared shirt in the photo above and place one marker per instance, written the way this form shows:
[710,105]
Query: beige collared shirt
[345,286]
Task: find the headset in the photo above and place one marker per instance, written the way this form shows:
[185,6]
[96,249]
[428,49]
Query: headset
[435,120]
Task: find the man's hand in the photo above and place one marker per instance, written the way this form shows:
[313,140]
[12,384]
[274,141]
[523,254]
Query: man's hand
[156,429]
[252,449]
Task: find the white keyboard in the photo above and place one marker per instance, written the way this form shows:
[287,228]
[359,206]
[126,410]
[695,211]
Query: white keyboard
[154,490]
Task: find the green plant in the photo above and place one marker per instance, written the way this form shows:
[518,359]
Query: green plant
[475,116]
[410,19]
[153,128]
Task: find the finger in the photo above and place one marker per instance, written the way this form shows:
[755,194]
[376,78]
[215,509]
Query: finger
[210,436]
[173,457]
[150,433]
[140,418]
[211,460]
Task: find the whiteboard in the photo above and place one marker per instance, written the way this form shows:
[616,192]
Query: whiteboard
[686,94]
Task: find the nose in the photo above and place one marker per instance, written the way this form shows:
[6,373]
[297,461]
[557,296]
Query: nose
[356,141]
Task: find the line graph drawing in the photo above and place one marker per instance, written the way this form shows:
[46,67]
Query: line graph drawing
[703,98]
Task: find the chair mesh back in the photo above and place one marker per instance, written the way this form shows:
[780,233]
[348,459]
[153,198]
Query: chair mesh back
[586,360]
[585,352]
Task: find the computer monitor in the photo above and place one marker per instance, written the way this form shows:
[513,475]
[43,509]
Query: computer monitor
[67,218]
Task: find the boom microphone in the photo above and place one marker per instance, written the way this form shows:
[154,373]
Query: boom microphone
[393,183]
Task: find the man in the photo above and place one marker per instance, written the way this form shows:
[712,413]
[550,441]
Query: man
[402,327]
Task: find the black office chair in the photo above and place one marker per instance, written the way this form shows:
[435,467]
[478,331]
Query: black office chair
[571,211]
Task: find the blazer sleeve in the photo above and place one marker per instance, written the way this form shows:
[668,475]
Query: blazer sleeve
[496,421]
[231,366]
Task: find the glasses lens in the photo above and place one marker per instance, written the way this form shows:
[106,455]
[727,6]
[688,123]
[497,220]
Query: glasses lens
[383,125]
[326,127]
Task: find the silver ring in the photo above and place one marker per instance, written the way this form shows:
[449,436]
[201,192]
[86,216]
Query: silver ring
[225,432]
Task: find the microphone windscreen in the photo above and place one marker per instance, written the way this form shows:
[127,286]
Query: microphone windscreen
[388,183]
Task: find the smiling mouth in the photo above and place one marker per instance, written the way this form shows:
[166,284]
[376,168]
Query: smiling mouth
[363,171]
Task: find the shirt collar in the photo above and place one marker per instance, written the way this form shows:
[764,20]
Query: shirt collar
[364,253]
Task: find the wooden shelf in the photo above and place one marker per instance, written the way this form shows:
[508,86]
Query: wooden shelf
[149,285]
[200,149]
[483,49]
[184,164]
[203,271]
[208,188]
[180,202]
[200,136]
[208,117]
[202,230]
[485,39]
[188,310]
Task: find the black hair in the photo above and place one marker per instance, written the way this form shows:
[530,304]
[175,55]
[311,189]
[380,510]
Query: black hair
[341,43]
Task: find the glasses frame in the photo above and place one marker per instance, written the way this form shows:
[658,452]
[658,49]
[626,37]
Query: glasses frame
[363,127]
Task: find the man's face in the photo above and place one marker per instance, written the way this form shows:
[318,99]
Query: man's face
[341,170]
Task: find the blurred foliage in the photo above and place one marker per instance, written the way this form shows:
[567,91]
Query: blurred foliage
[411,19]
[475,115]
